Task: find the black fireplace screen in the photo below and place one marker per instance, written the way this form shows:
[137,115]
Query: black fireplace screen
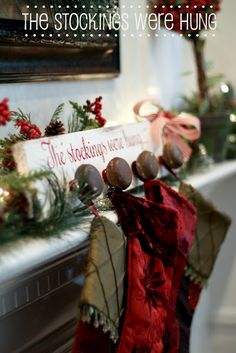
[58,40]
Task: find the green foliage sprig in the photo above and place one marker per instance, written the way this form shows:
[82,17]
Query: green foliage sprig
[62,216]
[81,119]
[58,112]
[219,101]
[7,163]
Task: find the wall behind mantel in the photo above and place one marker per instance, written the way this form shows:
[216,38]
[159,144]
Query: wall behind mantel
[141,60]
[150,66]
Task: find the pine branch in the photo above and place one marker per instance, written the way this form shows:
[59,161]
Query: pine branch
[19,183]
[6,159]
[10,140]
[92,124]
[57,114]
[20,115]
[62,216]
[57,197]
[79,119]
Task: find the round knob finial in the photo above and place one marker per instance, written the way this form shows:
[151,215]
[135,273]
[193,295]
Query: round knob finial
[118,173]
[146,166]
[172,156]
[89,182]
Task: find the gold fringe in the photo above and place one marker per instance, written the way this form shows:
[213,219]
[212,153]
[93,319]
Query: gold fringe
[195,276]
[90,314]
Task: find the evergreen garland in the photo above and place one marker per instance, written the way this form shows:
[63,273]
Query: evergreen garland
[62,215]
[21,213]
[58,112]
[17,183]
[80,119]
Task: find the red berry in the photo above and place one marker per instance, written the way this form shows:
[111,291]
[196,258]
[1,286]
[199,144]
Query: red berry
[5,114]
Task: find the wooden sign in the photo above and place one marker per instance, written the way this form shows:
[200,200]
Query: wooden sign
[65,153]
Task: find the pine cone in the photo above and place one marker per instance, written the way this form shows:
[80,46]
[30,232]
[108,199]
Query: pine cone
[55,128]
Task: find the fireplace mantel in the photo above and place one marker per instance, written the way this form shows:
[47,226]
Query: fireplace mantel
[40,283]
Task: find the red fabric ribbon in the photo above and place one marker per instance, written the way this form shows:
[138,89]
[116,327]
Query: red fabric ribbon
[177,129]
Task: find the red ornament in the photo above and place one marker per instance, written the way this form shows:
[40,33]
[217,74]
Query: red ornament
[28,130]
[5,114]
[96,109]
[9,164]
[102,121]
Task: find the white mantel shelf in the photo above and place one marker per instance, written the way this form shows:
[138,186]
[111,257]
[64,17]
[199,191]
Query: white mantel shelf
[215,174]
[23,255]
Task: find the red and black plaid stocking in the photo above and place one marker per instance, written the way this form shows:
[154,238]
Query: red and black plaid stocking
[161,193]
[90,339]
[151,232]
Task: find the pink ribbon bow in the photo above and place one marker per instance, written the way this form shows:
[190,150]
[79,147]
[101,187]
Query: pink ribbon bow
[177,129]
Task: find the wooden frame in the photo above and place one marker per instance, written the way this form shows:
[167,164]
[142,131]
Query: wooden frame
[24,57]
